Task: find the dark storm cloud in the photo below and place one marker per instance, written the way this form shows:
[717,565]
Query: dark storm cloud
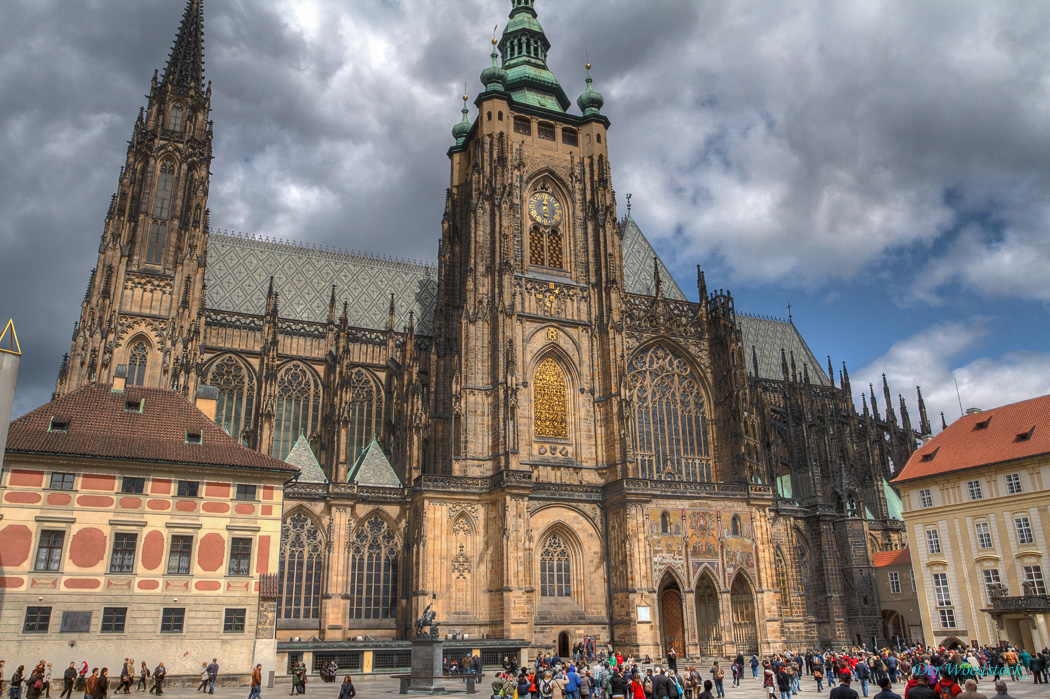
[789,143]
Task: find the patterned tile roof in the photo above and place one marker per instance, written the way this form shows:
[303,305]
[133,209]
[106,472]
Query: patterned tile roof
[638,256]
[239,271]
[302,457]
[900,557]
[373,468]
[767,336]
[100,425]
[1014,431]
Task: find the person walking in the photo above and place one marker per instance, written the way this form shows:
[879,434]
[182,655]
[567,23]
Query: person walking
[888,693]
[213,674]
[35,683]
[783,683]
[346,689]
[863,674]
[91,685]
[256,688]
[102,691]
[754,667]
[159,673]
[143,677]
[203,686]
[818,675]
[69,677]
[15,691]
[844,691]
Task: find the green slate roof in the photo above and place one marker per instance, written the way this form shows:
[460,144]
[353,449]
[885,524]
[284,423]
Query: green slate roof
[529,81]
[302,457]
[373,468]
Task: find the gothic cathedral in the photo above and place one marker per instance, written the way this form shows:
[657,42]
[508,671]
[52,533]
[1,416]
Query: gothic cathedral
[539,434]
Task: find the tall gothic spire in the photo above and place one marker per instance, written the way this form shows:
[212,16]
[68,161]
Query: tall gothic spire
[186,61]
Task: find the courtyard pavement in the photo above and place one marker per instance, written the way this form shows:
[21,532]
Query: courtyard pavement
[384,686]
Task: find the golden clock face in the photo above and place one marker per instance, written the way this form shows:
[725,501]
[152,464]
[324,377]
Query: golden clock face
[544,209]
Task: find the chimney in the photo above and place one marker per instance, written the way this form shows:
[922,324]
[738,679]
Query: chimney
[972,411]
[207,398]
[926,438]
[120,378]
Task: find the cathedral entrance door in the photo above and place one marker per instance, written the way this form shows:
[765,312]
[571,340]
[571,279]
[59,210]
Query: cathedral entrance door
[671,619]
[563,645]
[745,630]
[708,618]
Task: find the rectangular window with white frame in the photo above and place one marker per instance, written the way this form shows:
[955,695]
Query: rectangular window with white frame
[947,618]
[895,583]
[1034,576]
[912,574]
[925,498]
[1024,530]
[1013,484]
[984,535]
[941,590]
[933,542]
[991,581]
[49,551]
[974,488]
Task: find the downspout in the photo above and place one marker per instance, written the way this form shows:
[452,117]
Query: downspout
[608,577]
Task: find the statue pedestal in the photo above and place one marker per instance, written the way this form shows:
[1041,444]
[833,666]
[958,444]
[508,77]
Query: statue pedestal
[426,664]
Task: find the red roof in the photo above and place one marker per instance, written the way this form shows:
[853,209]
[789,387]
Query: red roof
[899,557]
[100,425]
[1011,432]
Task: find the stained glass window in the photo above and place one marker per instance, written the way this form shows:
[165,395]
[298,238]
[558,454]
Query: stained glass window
[137,365]
[783,589]
[549,400]
[161,209]
[365,408]
[373,571]
[298,407]
[536,250]
[233,412]
[670,431]
[302,557]
[554,248]
[555,570]
[175,117]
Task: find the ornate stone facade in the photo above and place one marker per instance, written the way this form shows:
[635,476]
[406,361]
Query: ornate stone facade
[583,450]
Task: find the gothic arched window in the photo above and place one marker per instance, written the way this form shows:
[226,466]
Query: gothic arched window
[233,412]
[670,417]
[175,117]
[365,410]
[298,407]
[549,401]
[734,525]
[302,561]
[373,571]
[545,248]
[555,568]
[161,209]
[783,589]
[137,359]
[665,524]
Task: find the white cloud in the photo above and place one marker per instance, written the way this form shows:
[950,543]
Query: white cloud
[926,359]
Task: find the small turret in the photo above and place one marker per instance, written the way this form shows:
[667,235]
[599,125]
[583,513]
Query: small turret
[462,129]
[924,422]
[590,102]
[494,77]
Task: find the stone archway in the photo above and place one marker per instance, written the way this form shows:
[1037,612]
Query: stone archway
[671,623]
[745,628]
[708,617]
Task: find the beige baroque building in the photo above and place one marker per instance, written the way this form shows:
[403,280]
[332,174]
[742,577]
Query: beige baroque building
[977,506]
[132,526]
[539,432]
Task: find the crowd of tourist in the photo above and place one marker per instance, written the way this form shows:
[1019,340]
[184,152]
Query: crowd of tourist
[915,673]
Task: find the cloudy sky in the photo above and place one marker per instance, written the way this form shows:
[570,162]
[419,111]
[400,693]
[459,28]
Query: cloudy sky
[884,167]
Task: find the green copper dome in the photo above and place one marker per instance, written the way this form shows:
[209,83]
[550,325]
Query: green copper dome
[524,48]
[462,129]
[590,102]
[494,77]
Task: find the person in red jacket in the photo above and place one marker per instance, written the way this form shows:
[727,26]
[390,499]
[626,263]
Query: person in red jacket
[947,687]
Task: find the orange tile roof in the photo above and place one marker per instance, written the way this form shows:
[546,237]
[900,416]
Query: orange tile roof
[1011,432]
[100,426]
[892,558]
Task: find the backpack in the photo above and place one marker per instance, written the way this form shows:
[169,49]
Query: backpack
[719,675]
[545,688]
[944,691]
[647,685]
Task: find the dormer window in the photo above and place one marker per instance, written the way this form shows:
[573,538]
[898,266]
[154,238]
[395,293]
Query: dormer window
[133,404]
[194,435]
[929,457]
[58,424]
[1025,436]
[983,424]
